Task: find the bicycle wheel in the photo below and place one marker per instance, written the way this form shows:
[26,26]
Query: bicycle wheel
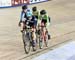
[40,42]
[26,42]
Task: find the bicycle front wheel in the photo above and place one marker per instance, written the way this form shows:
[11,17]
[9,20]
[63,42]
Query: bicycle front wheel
[26,42]
[27,47]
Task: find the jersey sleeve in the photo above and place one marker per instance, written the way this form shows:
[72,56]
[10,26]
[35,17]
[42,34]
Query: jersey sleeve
[46,17]
[21,16]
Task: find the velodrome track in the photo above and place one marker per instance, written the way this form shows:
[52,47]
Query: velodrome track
[62,28]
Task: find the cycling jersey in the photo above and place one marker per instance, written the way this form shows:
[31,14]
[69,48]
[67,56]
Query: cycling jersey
[32,22]
[44,18]
[36,14]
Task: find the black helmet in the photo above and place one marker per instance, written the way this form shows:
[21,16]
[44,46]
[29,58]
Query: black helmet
[42,12]
[24,7]
[34,8]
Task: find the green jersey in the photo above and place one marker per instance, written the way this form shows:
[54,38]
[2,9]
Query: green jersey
[36,14]
[45,17]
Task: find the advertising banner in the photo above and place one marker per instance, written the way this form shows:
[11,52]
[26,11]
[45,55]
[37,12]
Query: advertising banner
[36,1]
[4,3]
[19,2]
[9,3]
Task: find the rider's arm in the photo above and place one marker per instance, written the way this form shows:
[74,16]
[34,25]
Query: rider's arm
[22,16]
[34,20]
[48,18]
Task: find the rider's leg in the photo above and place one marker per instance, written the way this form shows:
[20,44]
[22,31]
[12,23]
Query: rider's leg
[34,40]
[47,29]
[34,45]
[46,40]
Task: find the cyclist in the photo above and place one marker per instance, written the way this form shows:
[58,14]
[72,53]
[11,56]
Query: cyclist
[23,16]
[45,19]
[35,12]
[32,22]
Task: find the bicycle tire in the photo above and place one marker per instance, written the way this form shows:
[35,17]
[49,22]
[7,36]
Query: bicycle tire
[26,42]
[40,42]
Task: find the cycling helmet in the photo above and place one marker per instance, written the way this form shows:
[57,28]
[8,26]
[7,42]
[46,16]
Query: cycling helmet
[24,7]
[42,12]
[34,8]
[29,13]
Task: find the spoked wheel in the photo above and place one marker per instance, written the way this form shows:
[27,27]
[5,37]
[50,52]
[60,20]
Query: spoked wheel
[40,43]
[26,42]
[27,47]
